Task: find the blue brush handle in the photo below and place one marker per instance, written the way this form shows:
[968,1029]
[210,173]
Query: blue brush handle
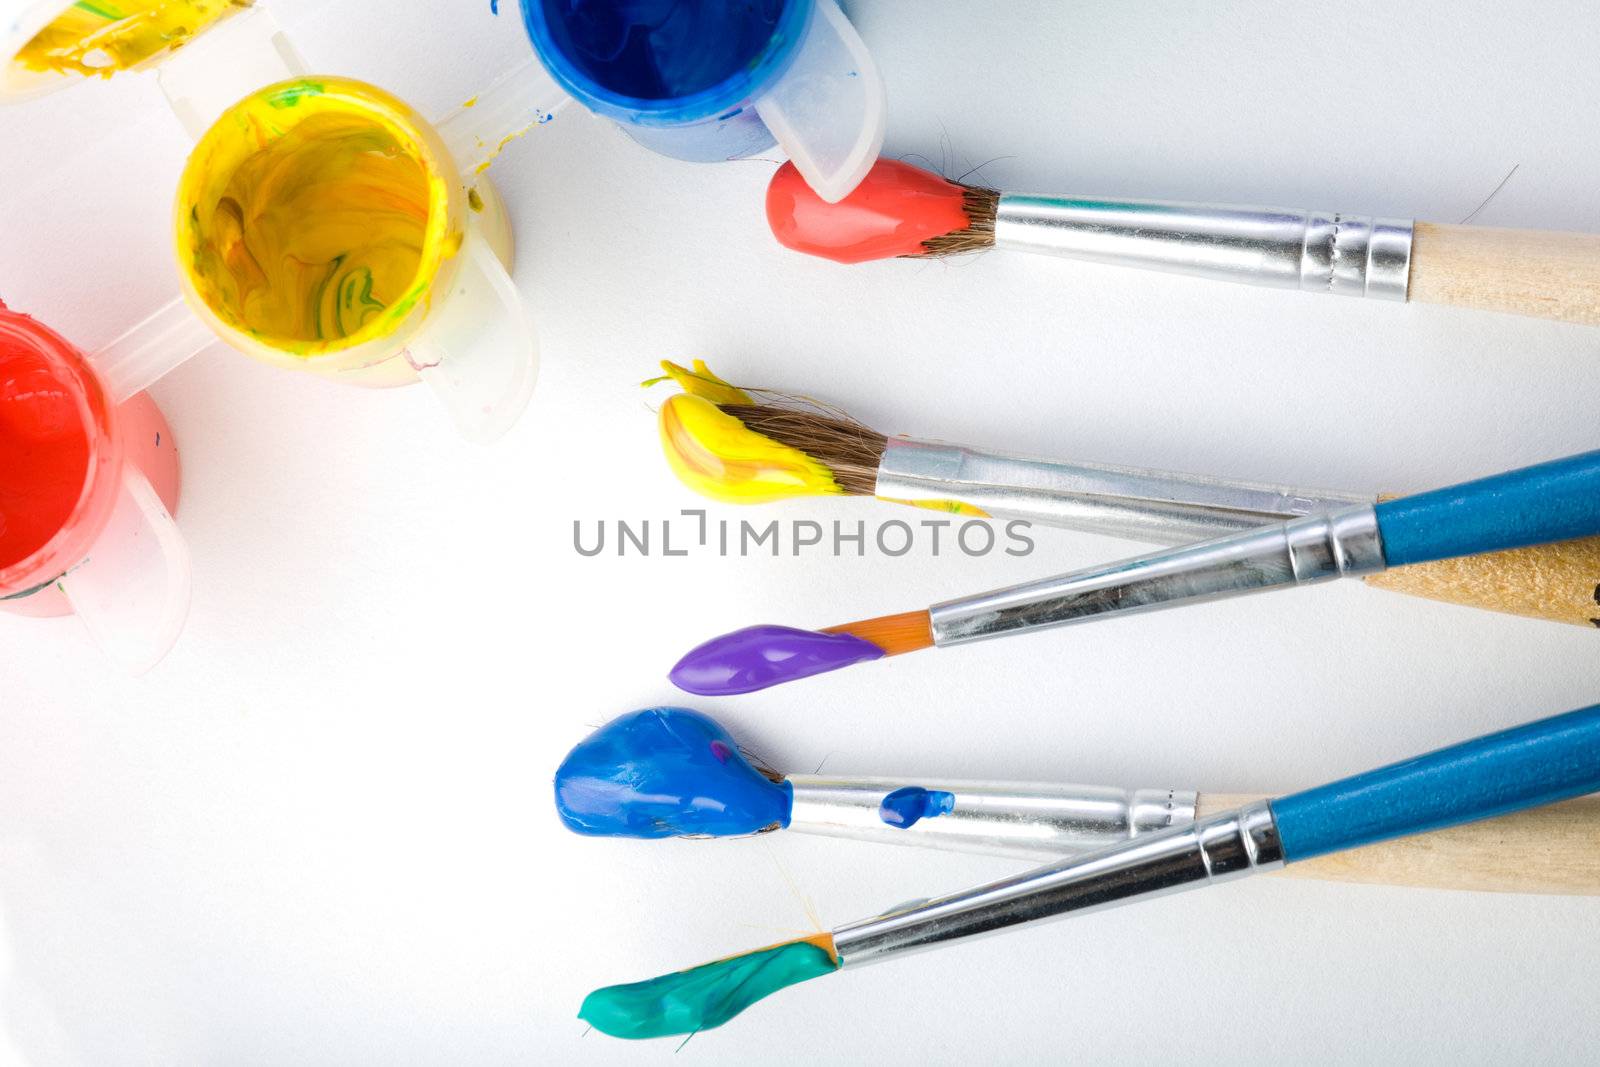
[1540,763]
[1554,501]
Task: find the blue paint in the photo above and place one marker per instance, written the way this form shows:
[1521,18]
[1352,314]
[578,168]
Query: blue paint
[494,7]
[760,656]
[1540,763]
[666,772]
[909,805]
[1554,501]
[678,75]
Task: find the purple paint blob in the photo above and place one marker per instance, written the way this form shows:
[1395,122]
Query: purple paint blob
[761,656]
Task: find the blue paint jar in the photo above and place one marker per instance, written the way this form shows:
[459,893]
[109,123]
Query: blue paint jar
[710,80]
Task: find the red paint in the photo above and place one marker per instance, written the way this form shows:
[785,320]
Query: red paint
[49,403]
[890,213]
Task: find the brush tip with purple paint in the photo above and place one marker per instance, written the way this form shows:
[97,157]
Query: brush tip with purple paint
[758,657]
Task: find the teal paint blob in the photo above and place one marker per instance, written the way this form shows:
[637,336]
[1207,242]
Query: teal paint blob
[702,997]
[907,806]
[666,772]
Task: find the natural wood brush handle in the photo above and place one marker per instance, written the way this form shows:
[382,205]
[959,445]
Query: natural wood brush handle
[1524,272]
[1554,849]
[1560,582]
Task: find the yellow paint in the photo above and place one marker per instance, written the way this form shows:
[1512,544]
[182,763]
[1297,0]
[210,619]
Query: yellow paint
[106,36]
[702,383]
[314,217]
[954,507]
[716,455]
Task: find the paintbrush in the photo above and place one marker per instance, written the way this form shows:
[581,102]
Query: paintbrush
[1547,761]
[676,773]
[901,210]
[744,446]
[1554,501]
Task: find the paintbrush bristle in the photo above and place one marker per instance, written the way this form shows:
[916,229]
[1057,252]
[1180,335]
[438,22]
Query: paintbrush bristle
[895,634]
[980,205]
[847,448]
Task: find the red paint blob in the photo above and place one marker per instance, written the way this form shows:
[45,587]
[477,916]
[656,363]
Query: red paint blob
[894,210]
[44,440]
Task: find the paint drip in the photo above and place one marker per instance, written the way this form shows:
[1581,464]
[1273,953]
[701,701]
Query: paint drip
[103,37]
[891,213]
[707,996]
[312,218]
[757,657]
[666,772]
[909,805]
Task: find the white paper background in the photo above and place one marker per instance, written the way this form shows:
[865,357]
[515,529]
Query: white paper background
[322,831]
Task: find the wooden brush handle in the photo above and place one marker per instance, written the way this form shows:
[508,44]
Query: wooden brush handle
[1559,581]
[1525,272]
[1553,849]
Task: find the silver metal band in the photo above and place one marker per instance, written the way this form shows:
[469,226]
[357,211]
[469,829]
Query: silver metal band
[1144,505]
[1316,548]
[1215,849]
[1349,255]
[1019,819]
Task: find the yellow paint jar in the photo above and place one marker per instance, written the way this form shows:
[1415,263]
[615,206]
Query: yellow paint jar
[53,43]
[321,224]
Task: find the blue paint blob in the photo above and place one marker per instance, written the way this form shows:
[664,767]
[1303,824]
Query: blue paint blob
[761,656]
[907,806]
[665,772]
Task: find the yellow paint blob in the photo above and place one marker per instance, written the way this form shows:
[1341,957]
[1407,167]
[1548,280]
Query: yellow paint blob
[106,36]
[313,216]
[702,383]
[716,455]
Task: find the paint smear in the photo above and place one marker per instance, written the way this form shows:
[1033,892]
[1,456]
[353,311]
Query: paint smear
[718,456]
[666,772]
[909,805]
[761,656]
[891,213]
[44,449]
[707,996]
[312,217]
[103,37]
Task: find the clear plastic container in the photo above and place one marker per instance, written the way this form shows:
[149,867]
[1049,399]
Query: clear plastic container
[455,321]
[708,80]
[116,557]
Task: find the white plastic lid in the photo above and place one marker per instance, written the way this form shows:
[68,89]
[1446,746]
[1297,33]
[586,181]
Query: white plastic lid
[829,110]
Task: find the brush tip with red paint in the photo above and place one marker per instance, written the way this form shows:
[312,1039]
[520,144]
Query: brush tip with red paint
[895,211]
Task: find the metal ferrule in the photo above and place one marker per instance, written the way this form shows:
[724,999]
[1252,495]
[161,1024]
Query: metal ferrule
[1144,505]
[1318,251]
[1019,819]
[1215,849]
[1316,548]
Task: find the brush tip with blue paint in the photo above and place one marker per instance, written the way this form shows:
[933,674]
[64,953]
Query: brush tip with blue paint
[666,772]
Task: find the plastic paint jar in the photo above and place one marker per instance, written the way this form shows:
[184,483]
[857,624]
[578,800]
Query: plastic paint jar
[49,44]
[322,225]
[87,490]
[449,315]
[708,80]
